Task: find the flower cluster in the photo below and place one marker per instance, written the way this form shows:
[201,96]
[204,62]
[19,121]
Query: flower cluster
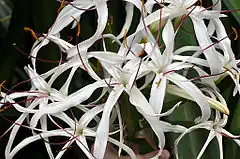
[146,67]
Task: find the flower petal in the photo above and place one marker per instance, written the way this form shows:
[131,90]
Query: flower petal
[103,127]
[158,93]
[194,92]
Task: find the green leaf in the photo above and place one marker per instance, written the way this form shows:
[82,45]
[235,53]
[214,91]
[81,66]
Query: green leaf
[233,5]
[9,55]
[231,149]
[185,35]
[191,144]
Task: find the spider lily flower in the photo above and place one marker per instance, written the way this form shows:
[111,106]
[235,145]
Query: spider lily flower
[123,80]
[228,60]
[216,130]
[185,8]
[75,62]
[163,67]
[76,9]
[77,132]
[215,127]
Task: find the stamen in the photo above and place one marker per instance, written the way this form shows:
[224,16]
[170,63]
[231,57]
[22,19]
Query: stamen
[4,108]
[99,66]
[1,87]
[61,6]
[227,69]
[143,50]
[201,4]
[77,35]
[78,26]
[143,12]
[27,29]
[235,32]
[38,59]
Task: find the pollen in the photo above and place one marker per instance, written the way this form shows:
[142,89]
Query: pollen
[27,29]
[1,86]
[78,26]
[80,131]
[4,108]
[235,32]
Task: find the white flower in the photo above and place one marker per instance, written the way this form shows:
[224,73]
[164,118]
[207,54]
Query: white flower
[77,132]
[228,60]
[178,8]
[215,127]
[165,69]
[123,80]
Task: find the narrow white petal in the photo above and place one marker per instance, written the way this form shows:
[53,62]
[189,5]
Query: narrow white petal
[158,93]
[124,147]
[128,20]
[71,101]
[194,92]
[31,139]
[205,42]
[103,127]
[219,139]
[203,125]
[168,37]
[64,149]
[209,139]
[102,11]
[84,146]
[109,57]
[88,116]
[140,102]
[65,87]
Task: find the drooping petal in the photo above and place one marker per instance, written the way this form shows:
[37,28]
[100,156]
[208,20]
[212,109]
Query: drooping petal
[137,99]
[71,101]
[31,139]
[209,139]
[202,125]
[103,127]
[194,92]
[124,147]
[205,43]
[102,11]
[128,20]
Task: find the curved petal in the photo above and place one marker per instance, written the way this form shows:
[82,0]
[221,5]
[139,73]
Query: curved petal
[102,11]
[128,20]
[71,101]
[209,139]
[103,127]
[31,139]
[108,57]
[194,92]
[205,43]
[137,99]
[124,147]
